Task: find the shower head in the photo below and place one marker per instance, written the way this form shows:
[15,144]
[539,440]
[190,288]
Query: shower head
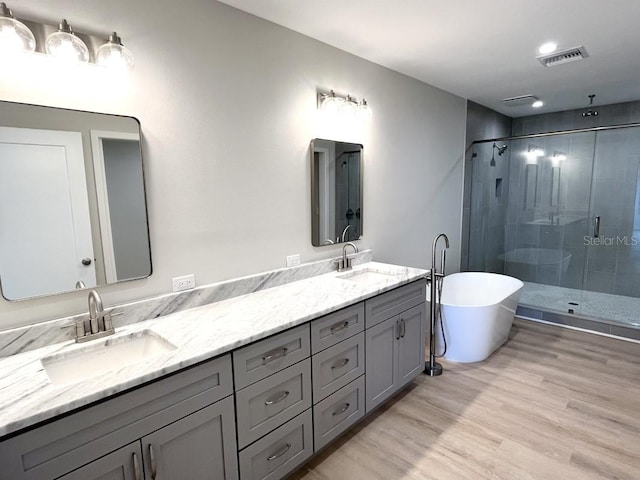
[501,149]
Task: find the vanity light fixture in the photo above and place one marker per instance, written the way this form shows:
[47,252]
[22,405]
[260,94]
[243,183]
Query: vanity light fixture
[557,158]
[66,45]
[533,153]
[15,36]
[114,54]
[334,104]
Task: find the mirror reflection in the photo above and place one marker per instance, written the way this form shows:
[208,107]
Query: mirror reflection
[72,201]
[336,192]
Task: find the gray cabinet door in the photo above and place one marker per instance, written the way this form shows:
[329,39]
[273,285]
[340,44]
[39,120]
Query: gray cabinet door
[201,445]
[381,362]
[123,464]
[412,326]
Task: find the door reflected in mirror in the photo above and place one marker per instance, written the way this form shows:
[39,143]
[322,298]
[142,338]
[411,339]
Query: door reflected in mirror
[336,192]
[72,201]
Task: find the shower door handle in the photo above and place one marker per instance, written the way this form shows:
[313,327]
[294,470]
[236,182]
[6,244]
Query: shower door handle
[596,227]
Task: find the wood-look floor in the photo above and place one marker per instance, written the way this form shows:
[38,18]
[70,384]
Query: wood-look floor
[550,404]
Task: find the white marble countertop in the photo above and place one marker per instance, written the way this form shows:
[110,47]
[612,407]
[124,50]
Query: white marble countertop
[27,396]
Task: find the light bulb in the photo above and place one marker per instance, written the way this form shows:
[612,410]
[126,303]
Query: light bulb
[331,104]
[364,111]
[349,107]
[537,104]
[66,46]
[15,36]
[114,55]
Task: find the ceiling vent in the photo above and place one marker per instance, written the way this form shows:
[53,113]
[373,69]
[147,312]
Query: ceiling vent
[563,56]
[519,100]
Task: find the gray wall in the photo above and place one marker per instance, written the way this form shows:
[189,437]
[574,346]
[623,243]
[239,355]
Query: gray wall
[123,170]
[227,104]
[484,215]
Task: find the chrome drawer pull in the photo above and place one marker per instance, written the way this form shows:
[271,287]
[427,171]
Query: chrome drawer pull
[136,468]
[344,408]
[280,396]
[340,363]
[339,327]
[278,453]
[278,353]
[154,466]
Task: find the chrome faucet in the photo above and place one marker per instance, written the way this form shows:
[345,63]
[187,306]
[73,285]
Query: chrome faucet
[344,232]
[98,324]
[435,279]
[345,262]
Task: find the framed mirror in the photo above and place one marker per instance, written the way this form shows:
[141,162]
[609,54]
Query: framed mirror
[73,211]
[336,192]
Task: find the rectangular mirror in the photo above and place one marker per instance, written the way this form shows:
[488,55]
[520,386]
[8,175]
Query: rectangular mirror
[336,192]
[73,211]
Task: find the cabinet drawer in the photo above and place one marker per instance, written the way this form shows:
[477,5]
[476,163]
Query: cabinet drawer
[269,403]
[338,412]
[280,452]
[386,305]
[266,357]
[335,327]
[336,366]
[70,442]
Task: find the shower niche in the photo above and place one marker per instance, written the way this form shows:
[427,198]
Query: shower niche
[336,192]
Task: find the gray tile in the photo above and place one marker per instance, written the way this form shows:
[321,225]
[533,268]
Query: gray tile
[600,282]
[633,333]
[577,322]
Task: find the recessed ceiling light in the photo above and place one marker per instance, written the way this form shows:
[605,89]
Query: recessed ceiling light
[548,48]
[537,104]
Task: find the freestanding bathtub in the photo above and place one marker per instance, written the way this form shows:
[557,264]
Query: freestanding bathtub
[477,313]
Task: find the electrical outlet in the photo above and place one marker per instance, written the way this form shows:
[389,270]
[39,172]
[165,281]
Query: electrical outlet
[186,282]
[293,260]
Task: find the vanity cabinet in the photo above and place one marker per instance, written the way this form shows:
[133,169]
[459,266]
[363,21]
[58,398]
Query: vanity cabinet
[395,343]
[186,420]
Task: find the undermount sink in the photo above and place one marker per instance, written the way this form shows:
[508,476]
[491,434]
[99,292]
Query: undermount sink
[367,276]
[106,356]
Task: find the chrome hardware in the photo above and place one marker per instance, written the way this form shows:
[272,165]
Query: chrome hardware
[403,328]
[344,232]
[80,284]
[154,465]
[345,262]
[280,452]
[596,227]
[435,280]
[279,353]
[339,327]
[86,262]
[344,408]
[280,396]
[340,363]
[98,324]
[136,467]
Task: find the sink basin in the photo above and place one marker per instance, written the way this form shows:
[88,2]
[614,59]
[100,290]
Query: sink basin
[367,276]
[106,356]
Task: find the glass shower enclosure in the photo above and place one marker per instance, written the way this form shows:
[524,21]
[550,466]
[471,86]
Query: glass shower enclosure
[561,212]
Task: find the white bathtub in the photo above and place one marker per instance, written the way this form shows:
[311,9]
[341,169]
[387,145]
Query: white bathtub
[477,313]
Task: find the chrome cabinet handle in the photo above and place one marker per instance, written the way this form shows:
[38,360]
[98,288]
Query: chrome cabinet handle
[403,327]
[154,465]
[344,408]
[278,453]
[136,467]
[340,363]
[339,327]
[274,355]
[596,227]
[280,396]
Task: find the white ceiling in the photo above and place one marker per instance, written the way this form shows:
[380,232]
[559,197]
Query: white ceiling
[483,50]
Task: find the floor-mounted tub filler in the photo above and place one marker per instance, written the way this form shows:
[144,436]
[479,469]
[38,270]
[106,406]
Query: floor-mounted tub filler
[477,313]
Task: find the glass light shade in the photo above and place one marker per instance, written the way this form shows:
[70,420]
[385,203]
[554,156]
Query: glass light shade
[15,36]
[66,46]
[115,55]
[364,110]
[332,104]
[349,107]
